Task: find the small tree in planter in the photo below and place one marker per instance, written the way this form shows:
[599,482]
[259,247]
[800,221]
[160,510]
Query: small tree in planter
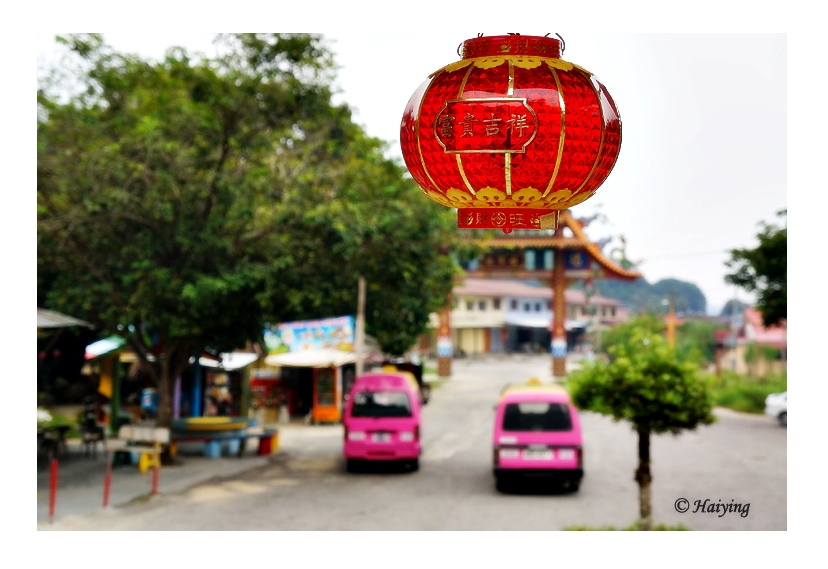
[646,384]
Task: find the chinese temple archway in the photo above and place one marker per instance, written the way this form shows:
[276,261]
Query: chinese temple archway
[573,258]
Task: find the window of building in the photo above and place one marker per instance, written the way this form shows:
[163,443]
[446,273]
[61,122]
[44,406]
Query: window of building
[481,305]
[527,307]
[469,305]
[547,259]
[549,305]
[537,307]
[496,303]
[514,304]
[529,257]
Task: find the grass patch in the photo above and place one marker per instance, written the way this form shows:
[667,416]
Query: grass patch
[743,392]
[435,383]
[635,526]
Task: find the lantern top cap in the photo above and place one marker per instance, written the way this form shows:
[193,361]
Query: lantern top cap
[511,44]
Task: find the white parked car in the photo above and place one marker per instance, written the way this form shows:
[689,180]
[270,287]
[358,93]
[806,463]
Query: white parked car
[776,406]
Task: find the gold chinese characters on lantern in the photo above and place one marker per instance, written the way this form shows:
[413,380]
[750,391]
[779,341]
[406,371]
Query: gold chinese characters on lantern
[511,134]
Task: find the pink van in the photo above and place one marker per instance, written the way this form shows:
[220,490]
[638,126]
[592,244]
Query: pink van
[537,436]
[382,420]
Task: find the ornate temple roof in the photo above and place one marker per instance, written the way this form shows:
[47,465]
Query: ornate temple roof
[557,240]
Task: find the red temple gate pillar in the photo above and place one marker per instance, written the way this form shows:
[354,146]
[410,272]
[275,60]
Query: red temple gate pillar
[444,347]
[558,315]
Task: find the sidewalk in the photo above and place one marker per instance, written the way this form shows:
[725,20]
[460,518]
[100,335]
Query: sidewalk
[80,479]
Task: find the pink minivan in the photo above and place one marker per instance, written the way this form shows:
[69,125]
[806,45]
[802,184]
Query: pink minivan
[382,420]
[537,436]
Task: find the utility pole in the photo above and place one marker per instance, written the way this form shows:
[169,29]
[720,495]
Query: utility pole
[360,327]
[733,331]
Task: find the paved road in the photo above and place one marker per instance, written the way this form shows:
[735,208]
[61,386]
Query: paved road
[740,460]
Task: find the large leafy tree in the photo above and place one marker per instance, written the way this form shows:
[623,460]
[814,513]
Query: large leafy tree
[764,270]
[183,203]
[645,384]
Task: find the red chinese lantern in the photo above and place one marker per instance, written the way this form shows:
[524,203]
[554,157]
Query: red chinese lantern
[510,134]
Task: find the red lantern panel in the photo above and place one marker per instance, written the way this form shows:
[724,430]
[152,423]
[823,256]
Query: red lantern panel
[510,134]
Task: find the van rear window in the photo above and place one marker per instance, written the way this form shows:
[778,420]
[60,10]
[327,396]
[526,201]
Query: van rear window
[537,416]
[381,404]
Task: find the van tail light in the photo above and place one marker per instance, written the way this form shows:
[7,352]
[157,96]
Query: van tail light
[417,433]
[345,430]
[579,453]
[496,455]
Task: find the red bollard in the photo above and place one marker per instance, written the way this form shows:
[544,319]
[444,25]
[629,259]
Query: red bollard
[53,489]
[107,483]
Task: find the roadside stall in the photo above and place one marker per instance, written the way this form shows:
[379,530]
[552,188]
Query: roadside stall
[225,388]
[268,395]
[321,370]
[310,355]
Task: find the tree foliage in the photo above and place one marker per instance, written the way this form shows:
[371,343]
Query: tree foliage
[645,384]
[764,270]
[695,338]
[185,202]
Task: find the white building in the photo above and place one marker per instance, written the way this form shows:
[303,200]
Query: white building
[499,316]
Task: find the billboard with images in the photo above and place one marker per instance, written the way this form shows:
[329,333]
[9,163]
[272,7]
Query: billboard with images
[328,334]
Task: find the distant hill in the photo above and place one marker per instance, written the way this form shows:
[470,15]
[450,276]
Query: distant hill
[640,295]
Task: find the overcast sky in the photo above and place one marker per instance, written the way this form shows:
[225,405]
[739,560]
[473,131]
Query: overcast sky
[704,116]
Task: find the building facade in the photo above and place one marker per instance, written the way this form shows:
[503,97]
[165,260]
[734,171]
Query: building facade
[513,316]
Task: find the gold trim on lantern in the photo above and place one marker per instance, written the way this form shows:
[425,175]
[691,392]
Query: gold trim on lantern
[524,62]
[459,158]
[510,88]
[417,135]
[600,154]
[507,173]
[507,159]
[563,131]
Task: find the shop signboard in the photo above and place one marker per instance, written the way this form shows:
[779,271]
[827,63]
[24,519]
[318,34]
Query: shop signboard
[335,333]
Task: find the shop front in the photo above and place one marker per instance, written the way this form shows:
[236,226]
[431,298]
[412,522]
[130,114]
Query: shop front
[315,382]
[215,387]
[315,361]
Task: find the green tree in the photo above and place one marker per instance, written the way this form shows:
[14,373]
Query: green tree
[184,203]
[764,270]
[646,385]
[622,334]
[696,340]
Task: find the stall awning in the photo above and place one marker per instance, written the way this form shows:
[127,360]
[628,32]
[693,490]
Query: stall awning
[230,361]
[311,358]
[104,347]
[539,321]
[52,319]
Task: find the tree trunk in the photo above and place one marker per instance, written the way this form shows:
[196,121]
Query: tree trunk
[163,417]
[172,365]
[644,479]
